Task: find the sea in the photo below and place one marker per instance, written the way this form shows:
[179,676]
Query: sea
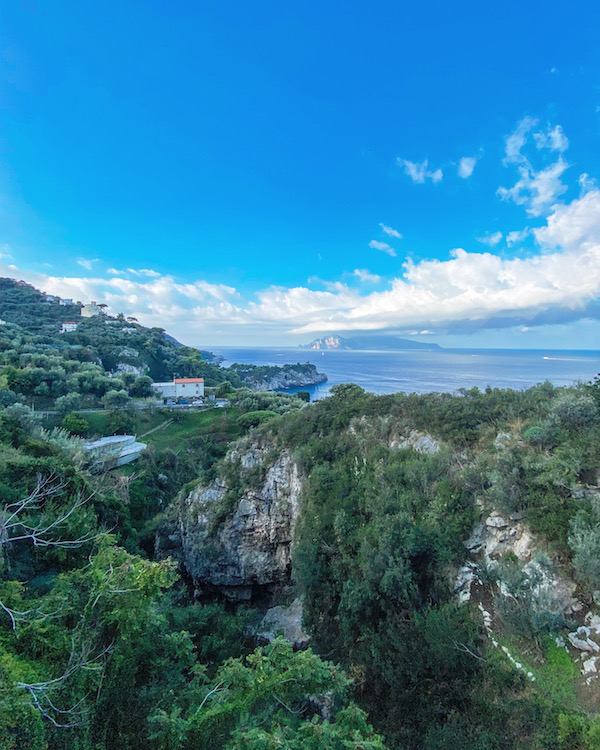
[423,371]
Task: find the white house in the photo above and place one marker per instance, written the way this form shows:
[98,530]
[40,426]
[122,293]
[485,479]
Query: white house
[191,388]
[68,327]
[65,302]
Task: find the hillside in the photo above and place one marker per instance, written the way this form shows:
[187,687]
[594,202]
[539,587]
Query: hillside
[441,547]
[103,354]
[396,572]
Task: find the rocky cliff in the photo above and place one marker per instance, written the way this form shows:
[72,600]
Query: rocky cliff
[278,378]
[234,536]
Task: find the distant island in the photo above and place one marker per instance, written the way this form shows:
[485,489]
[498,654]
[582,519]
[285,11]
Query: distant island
[383,343]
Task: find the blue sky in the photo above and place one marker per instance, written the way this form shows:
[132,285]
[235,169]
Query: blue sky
[269,172]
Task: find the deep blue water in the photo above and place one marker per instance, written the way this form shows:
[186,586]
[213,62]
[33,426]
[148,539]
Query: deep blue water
[424,371]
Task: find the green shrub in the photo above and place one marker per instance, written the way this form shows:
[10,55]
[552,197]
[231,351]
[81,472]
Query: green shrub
[75,424]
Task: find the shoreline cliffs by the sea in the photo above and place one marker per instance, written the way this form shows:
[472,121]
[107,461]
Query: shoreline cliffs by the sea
[377,343]
[278,377]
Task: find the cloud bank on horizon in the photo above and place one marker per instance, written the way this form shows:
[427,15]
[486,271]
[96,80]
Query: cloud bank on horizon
[558,281]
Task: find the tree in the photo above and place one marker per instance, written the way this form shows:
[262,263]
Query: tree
[141,387]
[223,389]
[274,698]
[68,403]
[75,424]
[116,399]
[254,418]
[584,540]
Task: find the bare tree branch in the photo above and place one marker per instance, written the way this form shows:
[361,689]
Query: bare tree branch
[40,692]
[466,650]
[15,525]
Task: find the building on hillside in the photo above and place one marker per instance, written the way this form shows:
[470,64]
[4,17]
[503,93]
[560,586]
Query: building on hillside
[68,327]
[88,311]
[117,450]
[65,302]
[192,388]
[51,298]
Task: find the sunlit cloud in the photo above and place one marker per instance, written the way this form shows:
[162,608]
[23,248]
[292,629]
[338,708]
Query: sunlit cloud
[419,171]
[390,231]
[382,247]
[87,263]
[467,291]
[491,240]
[144,272]
[557,283]
[466,166]
[553,138]
[366,276]
[536,189]
[517,236]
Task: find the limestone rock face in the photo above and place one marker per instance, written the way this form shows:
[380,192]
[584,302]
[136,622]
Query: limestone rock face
[581,639]
[498,535]
[250,546]
[284,621]
[418,441]
[123,367]
[286,376]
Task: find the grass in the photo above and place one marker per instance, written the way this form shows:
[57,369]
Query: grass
[557,675]
[174,435]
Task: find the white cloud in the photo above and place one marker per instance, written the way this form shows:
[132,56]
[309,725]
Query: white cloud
[419,171]
[87,263]
[466,291]
[586,183]
[466,166]
[574,227]
[144,272]
[390,231]
[331,286]
[517,236]
[491,240]
[537,191]
[115,272]
[553,138]
[517,140]
[383,247]
[366,276]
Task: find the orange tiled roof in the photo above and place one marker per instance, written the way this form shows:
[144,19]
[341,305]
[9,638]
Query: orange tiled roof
[188,380]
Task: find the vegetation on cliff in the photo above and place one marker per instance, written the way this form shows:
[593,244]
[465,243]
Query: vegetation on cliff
[105,644]
[385,512]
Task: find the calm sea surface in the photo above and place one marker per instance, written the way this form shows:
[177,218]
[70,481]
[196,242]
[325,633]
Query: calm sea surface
[424,371]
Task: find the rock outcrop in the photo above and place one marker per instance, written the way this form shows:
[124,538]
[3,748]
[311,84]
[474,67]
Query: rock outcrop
[497,535]
[280,378]
[285,622]
[395,436]
[238,543]
[500,535]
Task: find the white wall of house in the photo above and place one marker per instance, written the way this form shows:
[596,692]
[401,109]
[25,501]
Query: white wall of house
[184,388]
[164,390]
[189,388]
